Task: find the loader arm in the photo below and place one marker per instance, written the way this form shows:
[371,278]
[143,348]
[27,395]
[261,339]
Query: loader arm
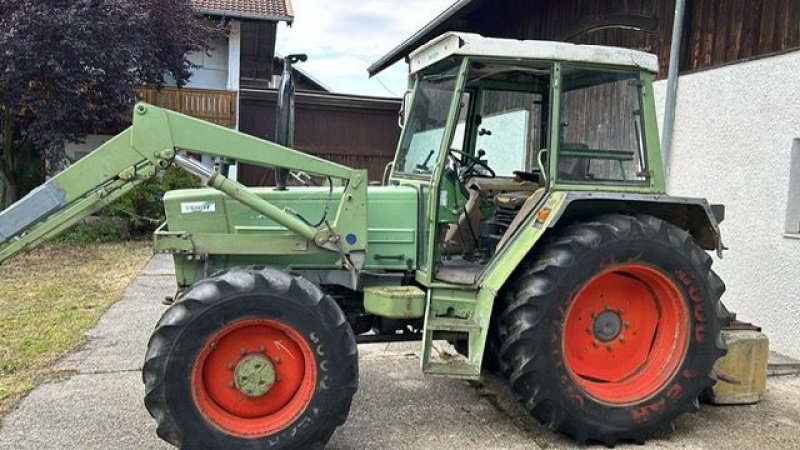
[153,143]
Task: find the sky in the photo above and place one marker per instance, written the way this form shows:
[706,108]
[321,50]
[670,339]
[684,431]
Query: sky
[342,38]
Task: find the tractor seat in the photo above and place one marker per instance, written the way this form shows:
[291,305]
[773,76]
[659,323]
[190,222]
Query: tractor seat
[528,205]
[511,200]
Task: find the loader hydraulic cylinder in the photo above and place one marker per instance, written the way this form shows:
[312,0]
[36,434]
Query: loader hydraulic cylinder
[246,196]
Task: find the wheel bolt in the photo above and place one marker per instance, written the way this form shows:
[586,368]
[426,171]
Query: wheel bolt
[609,347]
[231,366]
[277,378]
[627,324]
[232,384]
[607,307]
[263,349]
[213,346]
[243,351]
[589,330]
[621,338]
[276,359]
[596,343]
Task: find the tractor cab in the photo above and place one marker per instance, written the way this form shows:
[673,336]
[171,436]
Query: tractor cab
[492,126]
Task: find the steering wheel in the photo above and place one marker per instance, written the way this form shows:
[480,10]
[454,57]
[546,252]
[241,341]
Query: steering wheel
[472,163]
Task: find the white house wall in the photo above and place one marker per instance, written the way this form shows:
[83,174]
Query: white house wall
[734,132]
[212,72]
[234,56]
[75,151]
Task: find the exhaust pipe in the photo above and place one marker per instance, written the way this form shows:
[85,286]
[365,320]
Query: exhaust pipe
[284,128]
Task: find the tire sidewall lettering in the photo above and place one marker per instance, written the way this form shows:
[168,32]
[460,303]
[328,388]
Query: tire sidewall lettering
[254,306]
[698,301]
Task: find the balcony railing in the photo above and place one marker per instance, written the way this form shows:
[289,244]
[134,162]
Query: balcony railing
[215,106]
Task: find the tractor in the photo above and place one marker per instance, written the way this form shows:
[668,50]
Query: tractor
[524,219]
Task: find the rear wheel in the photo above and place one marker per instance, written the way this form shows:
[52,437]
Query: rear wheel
[251,358]
[612,331]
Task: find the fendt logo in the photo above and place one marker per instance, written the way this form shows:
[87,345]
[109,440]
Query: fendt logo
[198,207]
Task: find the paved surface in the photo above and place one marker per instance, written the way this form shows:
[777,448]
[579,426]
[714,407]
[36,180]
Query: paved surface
[97,404]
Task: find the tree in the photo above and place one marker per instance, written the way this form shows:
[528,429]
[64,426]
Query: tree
[69,66]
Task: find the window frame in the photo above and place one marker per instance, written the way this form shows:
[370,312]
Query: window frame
[397,174]
[653,180]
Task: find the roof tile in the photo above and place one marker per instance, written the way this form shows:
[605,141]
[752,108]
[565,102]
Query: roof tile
[255,9]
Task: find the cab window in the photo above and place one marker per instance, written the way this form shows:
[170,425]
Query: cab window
[602,136]
[424,129]
[509,128]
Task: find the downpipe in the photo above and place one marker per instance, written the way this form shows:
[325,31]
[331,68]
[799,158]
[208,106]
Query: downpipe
[672,86]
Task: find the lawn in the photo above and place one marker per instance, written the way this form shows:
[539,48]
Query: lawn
[48,298]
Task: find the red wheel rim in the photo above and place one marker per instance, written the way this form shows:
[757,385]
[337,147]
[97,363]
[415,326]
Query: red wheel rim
[636,362]
[220,400]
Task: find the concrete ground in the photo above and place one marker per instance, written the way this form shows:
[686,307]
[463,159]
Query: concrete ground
[97,403]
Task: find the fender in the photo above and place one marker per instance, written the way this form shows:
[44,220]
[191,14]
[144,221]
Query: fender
[694,215]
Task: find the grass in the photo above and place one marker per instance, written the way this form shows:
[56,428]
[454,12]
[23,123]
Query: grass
[49,297]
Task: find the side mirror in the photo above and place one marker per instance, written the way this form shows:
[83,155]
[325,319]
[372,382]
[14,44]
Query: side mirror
[401,120]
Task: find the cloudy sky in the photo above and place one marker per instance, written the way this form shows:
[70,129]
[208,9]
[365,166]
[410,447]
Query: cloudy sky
[342,38]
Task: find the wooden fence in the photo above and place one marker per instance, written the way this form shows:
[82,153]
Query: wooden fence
[216,106]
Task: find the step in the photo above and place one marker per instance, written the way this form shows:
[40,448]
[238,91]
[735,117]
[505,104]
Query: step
[459,369]
[456,367]
[453,324]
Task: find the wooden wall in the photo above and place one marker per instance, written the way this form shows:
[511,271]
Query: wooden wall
[359,132]
[258,51]
[715,31]
[731,30]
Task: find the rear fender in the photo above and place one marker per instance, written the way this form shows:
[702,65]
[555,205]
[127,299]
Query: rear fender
[694,215]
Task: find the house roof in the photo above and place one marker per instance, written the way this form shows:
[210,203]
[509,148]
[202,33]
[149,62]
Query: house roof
[268,10]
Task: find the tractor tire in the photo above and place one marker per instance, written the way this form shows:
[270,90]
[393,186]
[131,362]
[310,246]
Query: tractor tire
[251,359]
[612,329]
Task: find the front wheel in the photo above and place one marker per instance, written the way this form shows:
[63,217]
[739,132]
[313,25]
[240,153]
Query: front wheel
[613,329]
[251,359]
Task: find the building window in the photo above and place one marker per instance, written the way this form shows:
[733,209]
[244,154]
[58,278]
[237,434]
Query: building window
[793,203]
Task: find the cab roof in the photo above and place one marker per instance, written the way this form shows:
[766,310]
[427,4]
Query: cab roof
[469,44]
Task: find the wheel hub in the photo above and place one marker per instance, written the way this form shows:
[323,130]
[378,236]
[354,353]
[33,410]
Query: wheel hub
[254,375]
[626,333]
[607,326]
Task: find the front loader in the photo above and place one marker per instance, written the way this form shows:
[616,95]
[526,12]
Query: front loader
[524,219]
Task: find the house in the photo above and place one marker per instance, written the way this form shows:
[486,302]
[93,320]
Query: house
[737,130]
[235,85]
[244,59]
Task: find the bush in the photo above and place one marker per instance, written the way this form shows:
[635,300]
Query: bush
[142,209]
[96,230]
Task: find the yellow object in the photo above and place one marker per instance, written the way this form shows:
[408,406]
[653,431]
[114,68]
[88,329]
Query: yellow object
[742,373]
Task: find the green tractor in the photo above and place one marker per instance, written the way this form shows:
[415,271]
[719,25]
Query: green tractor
[524,219]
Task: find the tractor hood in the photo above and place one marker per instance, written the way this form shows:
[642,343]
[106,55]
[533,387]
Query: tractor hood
[204,213]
